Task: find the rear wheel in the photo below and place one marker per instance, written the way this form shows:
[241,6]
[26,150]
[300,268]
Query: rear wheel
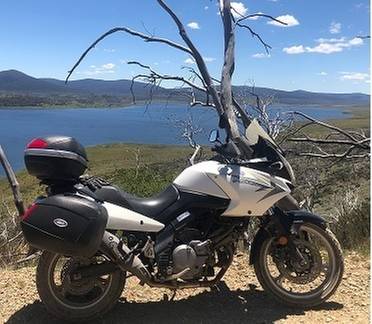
[308,280]
[76,299]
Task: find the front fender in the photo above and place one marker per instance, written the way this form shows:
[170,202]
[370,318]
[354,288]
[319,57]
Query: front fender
[292,218]
[290,221]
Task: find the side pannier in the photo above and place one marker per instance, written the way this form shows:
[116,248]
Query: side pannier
[67,224]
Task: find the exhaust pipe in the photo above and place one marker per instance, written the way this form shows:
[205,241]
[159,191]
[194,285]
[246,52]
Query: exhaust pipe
[126,260]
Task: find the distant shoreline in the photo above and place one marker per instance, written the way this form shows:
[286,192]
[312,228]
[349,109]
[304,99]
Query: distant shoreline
[157,102]
[124,105]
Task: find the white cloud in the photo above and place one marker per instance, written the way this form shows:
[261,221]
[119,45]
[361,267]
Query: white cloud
[95,70]
[325,46]
[261,55]
[331,40]
[109,50]
[238,9]
[323,73]
[288,19]
[206,8]
[334,46]
[193,25]
[355,76]
[335,27]
[294,49]
[108,66]
[356,41]
[189,60]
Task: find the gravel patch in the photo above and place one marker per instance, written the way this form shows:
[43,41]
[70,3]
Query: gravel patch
[238,299]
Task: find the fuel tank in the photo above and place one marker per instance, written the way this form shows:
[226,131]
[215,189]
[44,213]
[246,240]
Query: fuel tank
[251,192]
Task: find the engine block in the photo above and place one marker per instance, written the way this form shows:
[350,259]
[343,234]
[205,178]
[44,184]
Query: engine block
[193,256]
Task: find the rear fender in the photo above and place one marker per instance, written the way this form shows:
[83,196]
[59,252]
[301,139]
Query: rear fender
[290,221]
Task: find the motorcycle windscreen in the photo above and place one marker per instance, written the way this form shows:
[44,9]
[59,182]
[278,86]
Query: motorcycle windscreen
[254,131]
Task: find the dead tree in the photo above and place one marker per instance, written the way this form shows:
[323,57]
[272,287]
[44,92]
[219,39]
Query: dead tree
[261,107]
[336,143]
[218,92]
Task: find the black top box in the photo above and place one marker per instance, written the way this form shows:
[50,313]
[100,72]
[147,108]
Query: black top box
[56,159]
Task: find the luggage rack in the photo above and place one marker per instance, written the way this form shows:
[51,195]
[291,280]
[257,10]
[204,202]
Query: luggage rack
[13,182]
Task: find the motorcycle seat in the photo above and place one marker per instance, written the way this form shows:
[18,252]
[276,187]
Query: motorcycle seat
[151,207]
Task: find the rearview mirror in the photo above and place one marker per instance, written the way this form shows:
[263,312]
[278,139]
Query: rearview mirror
[214,135]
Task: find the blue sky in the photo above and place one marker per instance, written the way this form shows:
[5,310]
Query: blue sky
[318,50]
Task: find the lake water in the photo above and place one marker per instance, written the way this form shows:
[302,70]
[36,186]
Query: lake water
[157,124]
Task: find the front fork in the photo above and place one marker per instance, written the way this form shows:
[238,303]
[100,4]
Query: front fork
[284,224]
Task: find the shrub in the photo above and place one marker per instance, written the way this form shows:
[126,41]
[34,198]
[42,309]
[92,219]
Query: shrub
[350,220]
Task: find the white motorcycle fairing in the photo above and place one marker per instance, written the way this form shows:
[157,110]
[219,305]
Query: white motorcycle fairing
[120,218]
[251,192]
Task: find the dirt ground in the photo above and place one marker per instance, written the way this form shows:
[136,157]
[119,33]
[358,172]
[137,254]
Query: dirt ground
[239,299]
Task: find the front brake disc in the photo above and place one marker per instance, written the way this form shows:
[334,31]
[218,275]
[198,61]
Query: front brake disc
[296,272]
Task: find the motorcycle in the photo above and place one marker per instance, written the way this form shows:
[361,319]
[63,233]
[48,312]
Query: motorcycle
[93,235]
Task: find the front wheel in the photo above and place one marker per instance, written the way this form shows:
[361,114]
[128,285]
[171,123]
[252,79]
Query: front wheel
[76,299]
[307,279]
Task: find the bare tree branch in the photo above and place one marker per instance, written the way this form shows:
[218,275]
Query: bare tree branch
[318,122]
[239,23]
[196,74]
[260,15]
[146,38]
[359,144]
[242,113]
[228,68]
[197,56]
[335,156]
[254,34]
[195,102]
[157,76]
[13,182]
[335,141]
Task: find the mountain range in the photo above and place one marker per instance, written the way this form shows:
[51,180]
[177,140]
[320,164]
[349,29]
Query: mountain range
[19,89]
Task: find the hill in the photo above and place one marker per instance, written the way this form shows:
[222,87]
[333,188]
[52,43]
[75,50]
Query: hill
[19,89]
[301,97]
